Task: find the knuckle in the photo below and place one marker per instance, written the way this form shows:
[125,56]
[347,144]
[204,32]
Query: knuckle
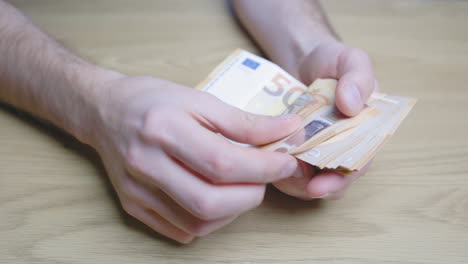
[359,54]
[138,166]
[248,123]
[221,168]
[134,160]
[156,125]
[247,118]
[269,169]
[129,207]
[205,207]
[200,227]
[273,171]
[124,188]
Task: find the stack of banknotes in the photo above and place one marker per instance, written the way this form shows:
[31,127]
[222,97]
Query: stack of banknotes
[326,138]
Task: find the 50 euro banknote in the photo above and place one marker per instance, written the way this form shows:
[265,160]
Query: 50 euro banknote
[326,138]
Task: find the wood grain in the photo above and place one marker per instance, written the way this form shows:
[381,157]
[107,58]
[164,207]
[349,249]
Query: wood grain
[56,205]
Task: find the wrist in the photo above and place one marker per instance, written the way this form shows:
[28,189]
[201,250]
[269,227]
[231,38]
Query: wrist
[93,94]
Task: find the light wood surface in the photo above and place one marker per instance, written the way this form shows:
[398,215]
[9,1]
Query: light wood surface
[56,205]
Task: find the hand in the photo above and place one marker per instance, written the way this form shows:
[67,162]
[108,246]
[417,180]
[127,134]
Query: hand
[356,81]
[171,169]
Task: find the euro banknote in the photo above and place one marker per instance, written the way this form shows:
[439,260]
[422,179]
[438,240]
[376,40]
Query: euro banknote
[326,138]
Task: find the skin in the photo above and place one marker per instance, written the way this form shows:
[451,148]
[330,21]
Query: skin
[160,142]
[297,36]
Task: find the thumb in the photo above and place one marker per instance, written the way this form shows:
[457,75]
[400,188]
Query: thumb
[245,127]
[356,82]
[353,90]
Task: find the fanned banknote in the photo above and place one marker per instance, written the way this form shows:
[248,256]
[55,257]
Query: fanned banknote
[326,138]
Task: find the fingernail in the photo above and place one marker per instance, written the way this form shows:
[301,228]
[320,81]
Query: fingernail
[298,173]
[290,168]
[352,96]
[324,195]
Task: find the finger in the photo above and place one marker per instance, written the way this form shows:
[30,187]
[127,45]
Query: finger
[158,223]
[193,193]
[356,81]
[221,161]
[245,127]
[158,201]
[351,67]
[325,183]
[330,184]
[296,185]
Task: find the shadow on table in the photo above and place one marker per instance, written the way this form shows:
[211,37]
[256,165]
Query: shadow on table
[283,202]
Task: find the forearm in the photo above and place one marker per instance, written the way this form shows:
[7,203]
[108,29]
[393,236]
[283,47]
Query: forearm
[285,30]
[43,78]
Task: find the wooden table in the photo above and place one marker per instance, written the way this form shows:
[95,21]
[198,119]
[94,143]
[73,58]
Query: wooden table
[56,205]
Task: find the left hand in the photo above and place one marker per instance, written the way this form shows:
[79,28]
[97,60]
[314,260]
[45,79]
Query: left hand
[356,81]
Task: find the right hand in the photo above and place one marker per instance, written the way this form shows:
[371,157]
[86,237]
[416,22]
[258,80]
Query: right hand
[171,169]
[356,81]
